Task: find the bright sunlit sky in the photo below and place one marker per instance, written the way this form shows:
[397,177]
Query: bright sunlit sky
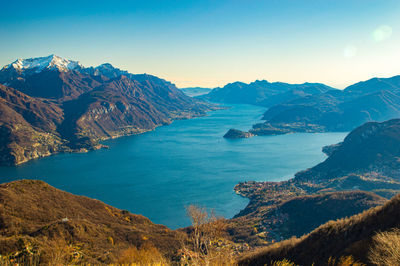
[210,43]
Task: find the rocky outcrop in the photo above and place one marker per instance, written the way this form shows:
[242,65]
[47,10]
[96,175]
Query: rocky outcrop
[330,149]
[237,134]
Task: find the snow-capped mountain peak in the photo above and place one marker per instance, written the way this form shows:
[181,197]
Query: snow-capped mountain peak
[41,63]
[53,62]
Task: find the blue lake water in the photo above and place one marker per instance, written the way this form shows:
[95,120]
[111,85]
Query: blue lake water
[158,173]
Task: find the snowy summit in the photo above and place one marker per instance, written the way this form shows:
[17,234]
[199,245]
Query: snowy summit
[41,63]
[54,62]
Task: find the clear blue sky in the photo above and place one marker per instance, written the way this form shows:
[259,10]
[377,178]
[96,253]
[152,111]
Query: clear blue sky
[212,42]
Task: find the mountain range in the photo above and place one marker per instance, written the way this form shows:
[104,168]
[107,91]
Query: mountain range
[50,104]
[263,93]
[313,107]
[377,99]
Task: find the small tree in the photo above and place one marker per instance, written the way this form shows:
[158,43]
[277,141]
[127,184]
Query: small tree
[206,245]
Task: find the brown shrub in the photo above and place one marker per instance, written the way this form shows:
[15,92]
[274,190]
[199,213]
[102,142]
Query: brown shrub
[145,255]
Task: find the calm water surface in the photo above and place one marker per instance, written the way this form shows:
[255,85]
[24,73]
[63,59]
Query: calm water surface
[158,173]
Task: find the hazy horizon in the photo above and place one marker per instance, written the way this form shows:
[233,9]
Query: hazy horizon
[209,44]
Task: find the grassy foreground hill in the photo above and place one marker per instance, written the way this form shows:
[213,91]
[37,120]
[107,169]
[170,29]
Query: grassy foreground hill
[42,225]
[39,223]
[267,220]
[371,237]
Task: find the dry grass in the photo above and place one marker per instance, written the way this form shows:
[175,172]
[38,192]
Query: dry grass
[145,255]
[349,236]
[385,249]
[344,261]
[32,215]
[283,262]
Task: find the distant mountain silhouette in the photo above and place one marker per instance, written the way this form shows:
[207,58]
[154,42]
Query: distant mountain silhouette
[372,100]
[264,93]
[195,91]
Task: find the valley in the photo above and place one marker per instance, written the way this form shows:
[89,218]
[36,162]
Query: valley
[53,105]
[200,133]
[140,173]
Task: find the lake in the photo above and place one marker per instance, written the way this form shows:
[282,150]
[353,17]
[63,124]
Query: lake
[158,173]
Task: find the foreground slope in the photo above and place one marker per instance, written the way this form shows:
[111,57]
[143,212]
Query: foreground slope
[68,107]
[275,218]
[37,217]
[350,236]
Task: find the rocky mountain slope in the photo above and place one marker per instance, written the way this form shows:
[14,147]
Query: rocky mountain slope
[51,104]
[371,148]
[264,93]
[28,127]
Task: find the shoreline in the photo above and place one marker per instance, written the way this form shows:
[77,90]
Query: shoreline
[98,145]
